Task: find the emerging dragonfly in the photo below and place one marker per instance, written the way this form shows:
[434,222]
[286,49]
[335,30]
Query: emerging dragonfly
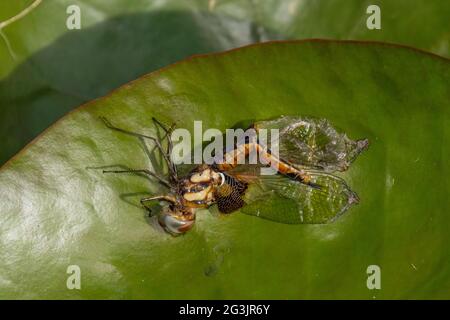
[303,190]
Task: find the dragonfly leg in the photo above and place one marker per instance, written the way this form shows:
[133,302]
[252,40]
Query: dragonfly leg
[165,155]
[167,134]
[167,198]
[144,171]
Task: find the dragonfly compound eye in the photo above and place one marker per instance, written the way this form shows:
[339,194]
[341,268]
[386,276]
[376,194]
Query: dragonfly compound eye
[175,224]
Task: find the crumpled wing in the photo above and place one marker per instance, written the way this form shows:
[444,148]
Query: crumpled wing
[313,143]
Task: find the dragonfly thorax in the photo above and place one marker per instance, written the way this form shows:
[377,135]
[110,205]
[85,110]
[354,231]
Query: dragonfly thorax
[198,188]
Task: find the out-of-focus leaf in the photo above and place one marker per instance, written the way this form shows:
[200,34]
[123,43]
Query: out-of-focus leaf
[418,23]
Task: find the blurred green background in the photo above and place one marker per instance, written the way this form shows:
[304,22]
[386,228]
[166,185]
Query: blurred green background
[47,70]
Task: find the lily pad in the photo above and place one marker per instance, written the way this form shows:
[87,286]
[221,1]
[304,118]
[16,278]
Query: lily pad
[58,209]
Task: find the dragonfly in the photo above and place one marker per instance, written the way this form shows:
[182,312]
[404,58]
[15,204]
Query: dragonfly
[304,189]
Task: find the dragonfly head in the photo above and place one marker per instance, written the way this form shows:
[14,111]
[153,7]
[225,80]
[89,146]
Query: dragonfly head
[176,220]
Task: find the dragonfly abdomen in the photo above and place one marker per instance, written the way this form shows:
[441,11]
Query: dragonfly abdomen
[235,157]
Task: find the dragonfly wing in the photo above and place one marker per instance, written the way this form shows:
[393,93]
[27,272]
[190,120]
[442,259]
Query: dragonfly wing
[312,143]
[284,200]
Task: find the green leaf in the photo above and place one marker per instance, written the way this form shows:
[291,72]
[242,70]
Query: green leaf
[58,209]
